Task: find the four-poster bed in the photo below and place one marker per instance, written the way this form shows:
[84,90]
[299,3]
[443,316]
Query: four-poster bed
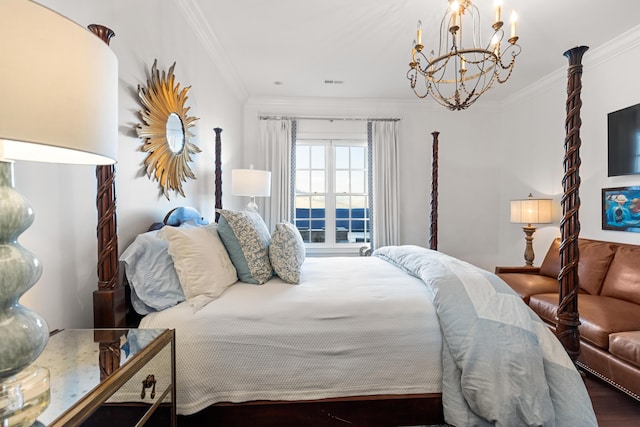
[568,318]
[433,228]
[376,409]
[109,298]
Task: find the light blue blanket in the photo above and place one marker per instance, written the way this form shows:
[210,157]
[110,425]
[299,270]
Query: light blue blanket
[501,364]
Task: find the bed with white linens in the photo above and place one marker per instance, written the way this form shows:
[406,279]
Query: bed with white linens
[407,323]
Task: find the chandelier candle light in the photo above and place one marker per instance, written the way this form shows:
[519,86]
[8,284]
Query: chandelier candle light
[464,67]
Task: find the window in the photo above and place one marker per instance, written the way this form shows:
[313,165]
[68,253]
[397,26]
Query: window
[332,194]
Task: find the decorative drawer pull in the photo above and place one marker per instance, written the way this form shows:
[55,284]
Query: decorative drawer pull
[150,381]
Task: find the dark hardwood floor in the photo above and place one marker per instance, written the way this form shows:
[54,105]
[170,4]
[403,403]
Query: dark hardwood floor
[613,408]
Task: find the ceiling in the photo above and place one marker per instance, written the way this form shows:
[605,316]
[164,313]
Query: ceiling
[366,44]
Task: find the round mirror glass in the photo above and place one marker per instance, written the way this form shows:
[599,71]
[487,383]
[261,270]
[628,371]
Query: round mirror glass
[175,133]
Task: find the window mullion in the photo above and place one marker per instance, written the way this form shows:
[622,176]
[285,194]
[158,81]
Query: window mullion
[330,213]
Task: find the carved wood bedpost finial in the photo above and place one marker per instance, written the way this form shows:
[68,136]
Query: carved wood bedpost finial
[568,318]
[104,33]
[109,294]
[218,166]
[433,238]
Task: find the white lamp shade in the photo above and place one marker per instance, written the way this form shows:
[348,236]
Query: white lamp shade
[250,182]
[531,211]
[58,88]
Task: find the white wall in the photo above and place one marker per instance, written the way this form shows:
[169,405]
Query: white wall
[488,155]
[533,146]
[468,166]
[63,197]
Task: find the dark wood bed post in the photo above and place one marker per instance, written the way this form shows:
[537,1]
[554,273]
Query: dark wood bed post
[109,300]
[109,294]
[433,238]
[218,166]
[568,318]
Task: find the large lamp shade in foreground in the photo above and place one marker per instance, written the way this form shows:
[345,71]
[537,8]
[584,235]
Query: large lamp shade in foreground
[58,103]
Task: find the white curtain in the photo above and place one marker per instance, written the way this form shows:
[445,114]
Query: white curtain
[275,149]
[385,183]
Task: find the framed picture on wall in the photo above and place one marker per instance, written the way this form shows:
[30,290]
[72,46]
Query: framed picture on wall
[621,209]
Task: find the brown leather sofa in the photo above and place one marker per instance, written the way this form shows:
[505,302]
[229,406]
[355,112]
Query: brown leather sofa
[608,303]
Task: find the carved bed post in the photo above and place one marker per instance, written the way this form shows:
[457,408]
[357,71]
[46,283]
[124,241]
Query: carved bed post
[109,294]
[218,166]
[568,318]
[433,238]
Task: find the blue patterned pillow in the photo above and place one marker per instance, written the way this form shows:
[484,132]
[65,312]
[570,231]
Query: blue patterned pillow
[286,252]
[246,238]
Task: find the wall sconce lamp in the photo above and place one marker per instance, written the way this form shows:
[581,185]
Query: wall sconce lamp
[59,105]
[251,182]
[530,211]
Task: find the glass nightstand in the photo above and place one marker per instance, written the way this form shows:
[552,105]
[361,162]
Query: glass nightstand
[110,376]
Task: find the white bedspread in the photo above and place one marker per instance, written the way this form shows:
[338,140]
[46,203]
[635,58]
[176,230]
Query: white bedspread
[353,326]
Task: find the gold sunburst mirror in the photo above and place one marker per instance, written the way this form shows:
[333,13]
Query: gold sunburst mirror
[165,131]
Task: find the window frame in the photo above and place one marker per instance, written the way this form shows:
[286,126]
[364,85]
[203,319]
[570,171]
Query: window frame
[330,143]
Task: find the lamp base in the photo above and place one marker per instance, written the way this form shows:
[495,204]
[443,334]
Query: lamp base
[528,251]
[252,206]
[24,396]
[24,333]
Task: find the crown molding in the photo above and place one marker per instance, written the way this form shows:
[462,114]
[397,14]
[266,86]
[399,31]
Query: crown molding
[620,45]
[617,46]
[203,31]
[351,107]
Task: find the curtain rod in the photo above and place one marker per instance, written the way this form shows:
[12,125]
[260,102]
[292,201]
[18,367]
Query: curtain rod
[329,118]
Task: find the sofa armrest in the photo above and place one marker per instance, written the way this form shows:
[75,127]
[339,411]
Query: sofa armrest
[523,269]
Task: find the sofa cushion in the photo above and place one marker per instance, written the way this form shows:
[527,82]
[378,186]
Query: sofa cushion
[551,264]
[626,345]
[599,315]
[530,284]
[623,278]
[595,257]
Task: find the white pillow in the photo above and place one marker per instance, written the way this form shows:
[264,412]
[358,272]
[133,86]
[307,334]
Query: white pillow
[201,261]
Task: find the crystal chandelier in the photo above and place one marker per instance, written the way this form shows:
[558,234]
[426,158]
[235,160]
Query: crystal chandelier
[463,68]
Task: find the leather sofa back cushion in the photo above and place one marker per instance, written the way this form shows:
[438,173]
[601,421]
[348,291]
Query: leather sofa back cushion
[623,279]
[595,257]
[551,264]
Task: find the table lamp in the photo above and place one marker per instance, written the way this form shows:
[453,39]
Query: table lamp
[251,182]
[58,103]
[530,211]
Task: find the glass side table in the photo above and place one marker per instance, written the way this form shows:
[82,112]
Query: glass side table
[118,370]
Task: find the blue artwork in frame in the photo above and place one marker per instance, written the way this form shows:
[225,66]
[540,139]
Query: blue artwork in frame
[621,209]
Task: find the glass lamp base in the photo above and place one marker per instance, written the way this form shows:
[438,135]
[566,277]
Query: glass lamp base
[24,396]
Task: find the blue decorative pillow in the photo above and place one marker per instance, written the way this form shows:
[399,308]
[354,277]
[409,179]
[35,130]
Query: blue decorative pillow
[286,252]
[246,238]
[151,274]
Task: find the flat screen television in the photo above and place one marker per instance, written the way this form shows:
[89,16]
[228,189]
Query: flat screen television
[624,141]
